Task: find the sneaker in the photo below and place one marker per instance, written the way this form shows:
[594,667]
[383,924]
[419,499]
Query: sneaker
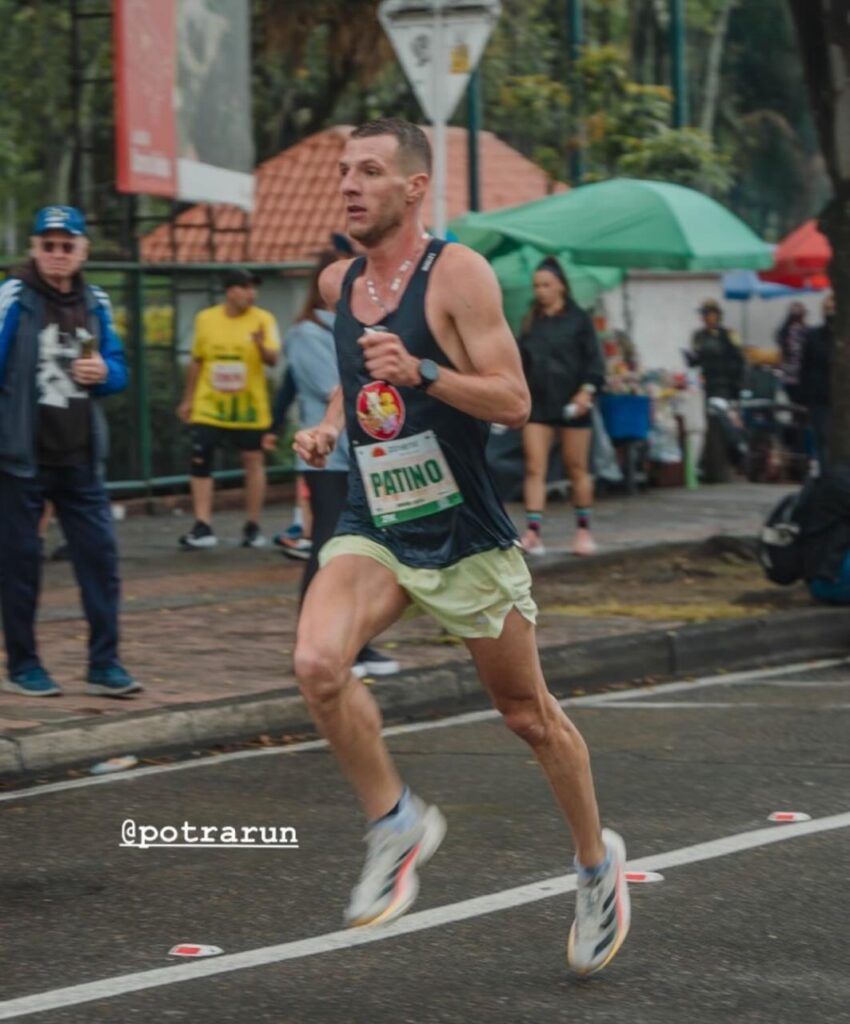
[372,663]
[531,543]
[293,532]
[389,884]
[32,682]
[584,544]
[114,681]
[602,912]
[300,549]
[251,536]
[200,536]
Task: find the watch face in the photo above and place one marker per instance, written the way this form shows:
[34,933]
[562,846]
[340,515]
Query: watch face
[429,371]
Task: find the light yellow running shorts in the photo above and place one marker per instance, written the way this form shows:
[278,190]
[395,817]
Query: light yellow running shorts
[470,599]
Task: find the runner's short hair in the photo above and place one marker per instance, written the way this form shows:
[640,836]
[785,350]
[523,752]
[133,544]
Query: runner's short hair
[414,149]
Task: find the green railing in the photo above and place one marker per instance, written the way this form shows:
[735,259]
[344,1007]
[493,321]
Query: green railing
[149,444]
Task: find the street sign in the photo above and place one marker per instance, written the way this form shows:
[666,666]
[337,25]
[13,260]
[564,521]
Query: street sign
[439,44]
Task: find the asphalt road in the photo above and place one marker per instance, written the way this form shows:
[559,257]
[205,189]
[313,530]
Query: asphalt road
[753,929]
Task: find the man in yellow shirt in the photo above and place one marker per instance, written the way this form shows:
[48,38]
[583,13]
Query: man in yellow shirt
[226,401]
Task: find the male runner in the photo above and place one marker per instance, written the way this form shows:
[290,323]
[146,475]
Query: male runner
[426,362]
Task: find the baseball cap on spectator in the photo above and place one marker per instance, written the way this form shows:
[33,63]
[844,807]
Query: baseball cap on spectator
[239,279]
[59,218]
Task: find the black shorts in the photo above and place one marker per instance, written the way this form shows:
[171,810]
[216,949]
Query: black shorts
[206,438]
[579,423]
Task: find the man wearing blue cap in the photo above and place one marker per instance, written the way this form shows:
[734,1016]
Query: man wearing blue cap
[59,353]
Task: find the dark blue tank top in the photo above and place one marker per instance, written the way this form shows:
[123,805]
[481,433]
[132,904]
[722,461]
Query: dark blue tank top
[479,523]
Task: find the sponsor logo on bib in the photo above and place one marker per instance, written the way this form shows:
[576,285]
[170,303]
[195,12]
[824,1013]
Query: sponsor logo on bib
[380,410]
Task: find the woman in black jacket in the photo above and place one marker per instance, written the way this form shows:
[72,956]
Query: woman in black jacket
[564,368]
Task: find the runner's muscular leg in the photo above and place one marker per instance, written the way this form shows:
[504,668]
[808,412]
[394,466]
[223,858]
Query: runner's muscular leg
[509,669]
[349,601]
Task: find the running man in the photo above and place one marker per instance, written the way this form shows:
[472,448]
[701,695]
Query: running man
[426,362]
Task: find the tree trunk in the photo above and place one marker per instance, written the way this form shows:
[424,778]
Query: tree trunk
[823,30]
[715,64]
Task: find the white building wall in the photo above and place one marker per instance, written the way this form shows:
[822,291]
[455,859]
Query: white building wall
[664,313]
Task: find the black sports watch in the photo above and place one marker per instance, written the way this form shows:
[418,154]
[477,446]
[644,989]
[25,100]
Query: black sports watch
[429,372]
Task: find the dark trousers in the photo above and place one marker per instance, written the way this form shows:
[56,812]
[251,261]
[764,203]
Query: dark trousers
[328,494]
[82,507]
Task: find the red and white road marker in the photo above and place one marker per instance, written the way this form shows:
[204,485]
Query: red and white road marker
[643,876]
[784,817]
[194,949]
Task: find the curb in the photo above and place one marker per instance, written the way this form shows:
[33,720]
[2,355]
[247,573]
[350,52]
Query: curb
[649,657]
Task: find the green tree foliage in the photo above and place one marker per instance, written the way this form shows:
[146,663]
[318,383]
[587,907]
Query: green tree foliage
[323,62]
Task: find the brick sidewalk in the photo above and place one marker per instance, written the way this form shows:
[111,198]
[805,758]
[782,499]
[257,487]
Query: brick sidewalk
[207,625]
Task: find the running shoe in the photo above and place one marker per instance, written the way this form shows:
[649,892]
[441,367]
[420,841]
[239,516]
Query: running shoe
[603,911]
[300,549]
[389,884]
[372,663]
[32,682]
[251,536]
[584,544]
[200,536]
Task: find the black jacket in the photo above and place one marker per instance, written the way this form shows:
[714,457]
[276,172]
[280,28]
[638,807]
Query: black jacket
[559,354]
[721,361]
[815,367]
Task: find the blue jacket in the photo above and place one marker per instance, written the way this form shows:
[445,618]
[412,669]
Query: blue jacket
[21,319]
[311,356]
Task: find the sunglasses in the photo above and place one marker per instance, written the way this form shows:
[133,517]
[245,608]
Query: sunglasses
[48,246]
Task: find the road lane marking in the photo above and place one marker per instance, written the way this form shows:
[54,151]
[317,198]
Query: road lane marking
[451,913]
[467,718]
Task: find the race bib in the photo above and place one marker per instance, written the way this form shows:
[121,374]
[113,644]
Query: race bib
[406,479]
[229,377]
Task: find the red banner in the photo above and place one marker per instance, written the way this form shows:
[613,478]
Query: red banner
[145,70]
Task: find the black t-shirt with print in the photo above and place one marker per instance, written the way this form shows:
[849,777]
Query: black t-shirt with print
[63,432]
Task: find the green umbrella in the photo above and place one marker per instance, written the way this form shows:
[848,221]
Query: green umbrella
[515,266]
[624,223]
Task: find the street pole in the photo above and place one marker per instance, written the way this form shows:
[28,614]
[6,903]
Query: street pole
[473,121]
[439,123]
[576,26]
[678,60]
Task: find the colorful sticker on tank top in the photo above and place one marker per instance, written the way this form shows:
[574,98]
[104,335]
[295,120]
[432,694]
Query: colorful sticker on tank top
[406,479]
[380,410]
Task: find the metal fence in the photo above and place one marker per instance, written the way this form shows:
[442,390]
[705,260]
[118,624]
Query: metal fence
[149,445]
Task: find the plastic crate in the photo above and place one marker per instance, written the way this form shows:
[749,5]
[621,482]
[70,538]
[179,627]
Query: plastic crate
[627,417]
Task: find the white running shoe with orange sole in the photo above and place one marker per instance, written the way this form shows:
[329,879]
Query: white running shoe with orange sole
[389,882]
[603,912]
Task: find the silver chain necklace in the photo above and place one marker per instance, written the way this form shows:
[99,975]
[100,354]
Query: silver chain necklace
[396,281]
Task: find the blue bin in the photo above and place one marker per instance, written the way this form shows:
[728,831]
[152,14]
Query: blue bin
[627,417]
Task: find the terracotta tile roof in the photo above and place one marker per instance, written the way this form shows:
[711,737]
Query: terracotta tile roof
[298,203]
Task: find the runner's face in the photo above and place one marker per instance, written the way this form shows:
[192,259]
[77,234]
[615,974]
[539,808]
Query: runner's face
[52,261]
[375,188]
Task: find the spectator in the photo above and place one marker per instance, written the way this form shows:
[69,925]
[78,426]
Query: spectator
[790,340]
[311,357]
[815,377]
[716,350]
[59,353]
[226,401]
[564,369]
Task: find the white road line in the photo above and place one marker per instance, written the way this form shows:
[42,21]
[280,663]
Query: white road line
[467,718]
[331,942]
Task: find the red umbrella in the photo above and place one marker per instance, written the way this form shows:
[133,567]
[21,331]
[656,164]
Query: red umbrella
[801,259]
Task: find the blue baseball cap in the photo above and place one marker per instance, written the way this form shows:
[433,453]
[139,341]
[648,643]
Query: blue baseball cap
[59,218]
